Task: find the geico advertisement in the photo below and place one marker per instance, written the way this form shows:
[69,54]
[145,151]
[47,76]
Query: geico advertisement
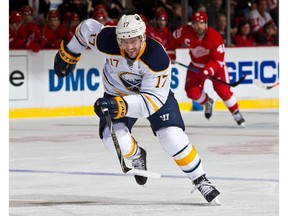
[84,85]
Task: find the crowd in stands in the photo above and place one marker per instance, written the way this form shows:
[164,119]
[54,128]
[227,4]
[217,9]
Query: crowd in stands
[43,24]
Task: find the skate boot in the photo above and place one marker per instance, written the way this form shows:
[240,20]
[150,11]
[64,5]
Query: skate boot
[239,118]
[206,188]
[139,162]
[208,108]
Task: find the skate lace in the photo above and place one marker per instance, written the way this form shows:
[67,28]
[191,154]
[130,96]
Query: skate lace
[204,187]
[138,163]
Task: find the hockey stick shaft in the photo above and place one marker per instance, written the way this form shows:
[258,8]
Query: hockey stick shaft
[124,168]
[211,77]
[258,83]
[274,85]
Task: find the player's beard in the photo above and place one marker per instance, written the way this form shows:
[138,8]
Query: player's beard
[201,32]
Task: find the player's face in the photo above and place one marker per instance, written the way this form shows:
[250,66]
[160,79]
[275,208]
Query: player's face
[54,23]
[200,28]
[131,46]
[161,23]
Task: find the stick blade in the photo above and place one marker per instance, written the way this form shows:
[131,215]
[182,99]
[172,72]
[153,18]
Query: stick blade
[144,173]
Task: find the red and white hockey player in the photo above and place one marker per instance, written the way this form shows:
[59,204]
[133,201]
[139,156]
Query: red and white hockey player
[207,52]
[161,33]
[53,32]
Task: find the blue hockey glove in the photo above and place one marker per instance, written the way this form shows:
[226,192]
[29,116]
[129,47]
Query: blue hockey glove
[117,107]
[65,61]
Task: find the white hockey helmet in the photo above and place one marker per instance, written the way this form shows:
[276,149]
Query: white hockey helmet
[130,26]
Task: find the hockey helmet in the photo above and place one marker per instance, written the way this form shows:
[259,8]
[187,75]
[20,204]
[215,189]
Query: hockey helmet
[130,26]
[26,10]
[73,16]
[162,15]
[99,15]
[199,16]
[15,17]
[54,14]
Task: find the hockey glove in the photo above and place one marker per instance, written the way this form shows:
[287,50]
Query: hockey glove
[117,107]
[208,71]
[65,61]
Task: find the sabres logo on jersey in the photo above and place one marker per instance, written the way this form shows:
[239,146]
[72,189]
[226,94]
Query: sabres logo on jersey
[131,81]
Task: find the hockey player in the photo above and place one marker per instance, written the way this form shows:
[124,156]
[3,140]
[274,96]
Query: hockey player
[207,52]
[136,79]
[161,33]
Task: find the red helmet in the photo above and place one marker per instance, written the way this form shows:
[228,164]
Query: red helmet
[199,16]
[100,6]
[70,16]
[54,14]
[161,14]
[15,17]
[99,15]
[26,10]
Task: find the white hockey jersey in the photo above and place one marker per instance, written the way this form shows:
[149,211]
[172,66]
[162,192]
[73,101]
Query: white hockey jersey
[144,83]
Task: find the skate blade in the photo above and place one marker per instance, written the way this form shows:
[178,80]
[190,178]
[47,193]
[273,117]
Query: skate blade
[216,202]
[144,173]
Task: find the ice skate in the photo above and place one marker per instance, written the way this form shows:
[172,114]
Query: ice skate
[208,108]
[239,118]
[206,188]
[139,162]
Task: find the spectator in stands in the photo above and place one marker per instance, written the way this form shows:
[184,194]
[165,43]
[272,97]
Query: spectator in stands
[269,36]
[17,33]
[274,11]
[103,9]
[113,8]
[176,17]
[71,20]
[54,31]
[75,6]
[19,36]
[244,38]
[213,10]
[259,17]
[221,26]
[161,33]
[31,28]
[101,15]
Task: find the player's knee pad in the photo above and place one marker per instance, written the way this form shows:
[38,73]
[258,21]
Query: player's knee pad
[194,93]
[126,142]
[223,91]
[172,139]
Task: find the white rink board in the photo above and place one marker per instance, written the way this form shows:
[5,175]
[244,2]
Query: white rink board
[40,87]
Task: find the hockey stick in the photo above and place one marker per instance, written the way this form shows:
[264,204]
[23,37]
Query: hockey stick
[211,77]
[258,83]
[124,168]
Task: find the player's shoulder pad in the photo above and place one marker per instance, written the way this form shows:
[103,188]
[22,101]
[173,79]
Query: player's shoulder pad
[107,41]
[212,33]
[155,56]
